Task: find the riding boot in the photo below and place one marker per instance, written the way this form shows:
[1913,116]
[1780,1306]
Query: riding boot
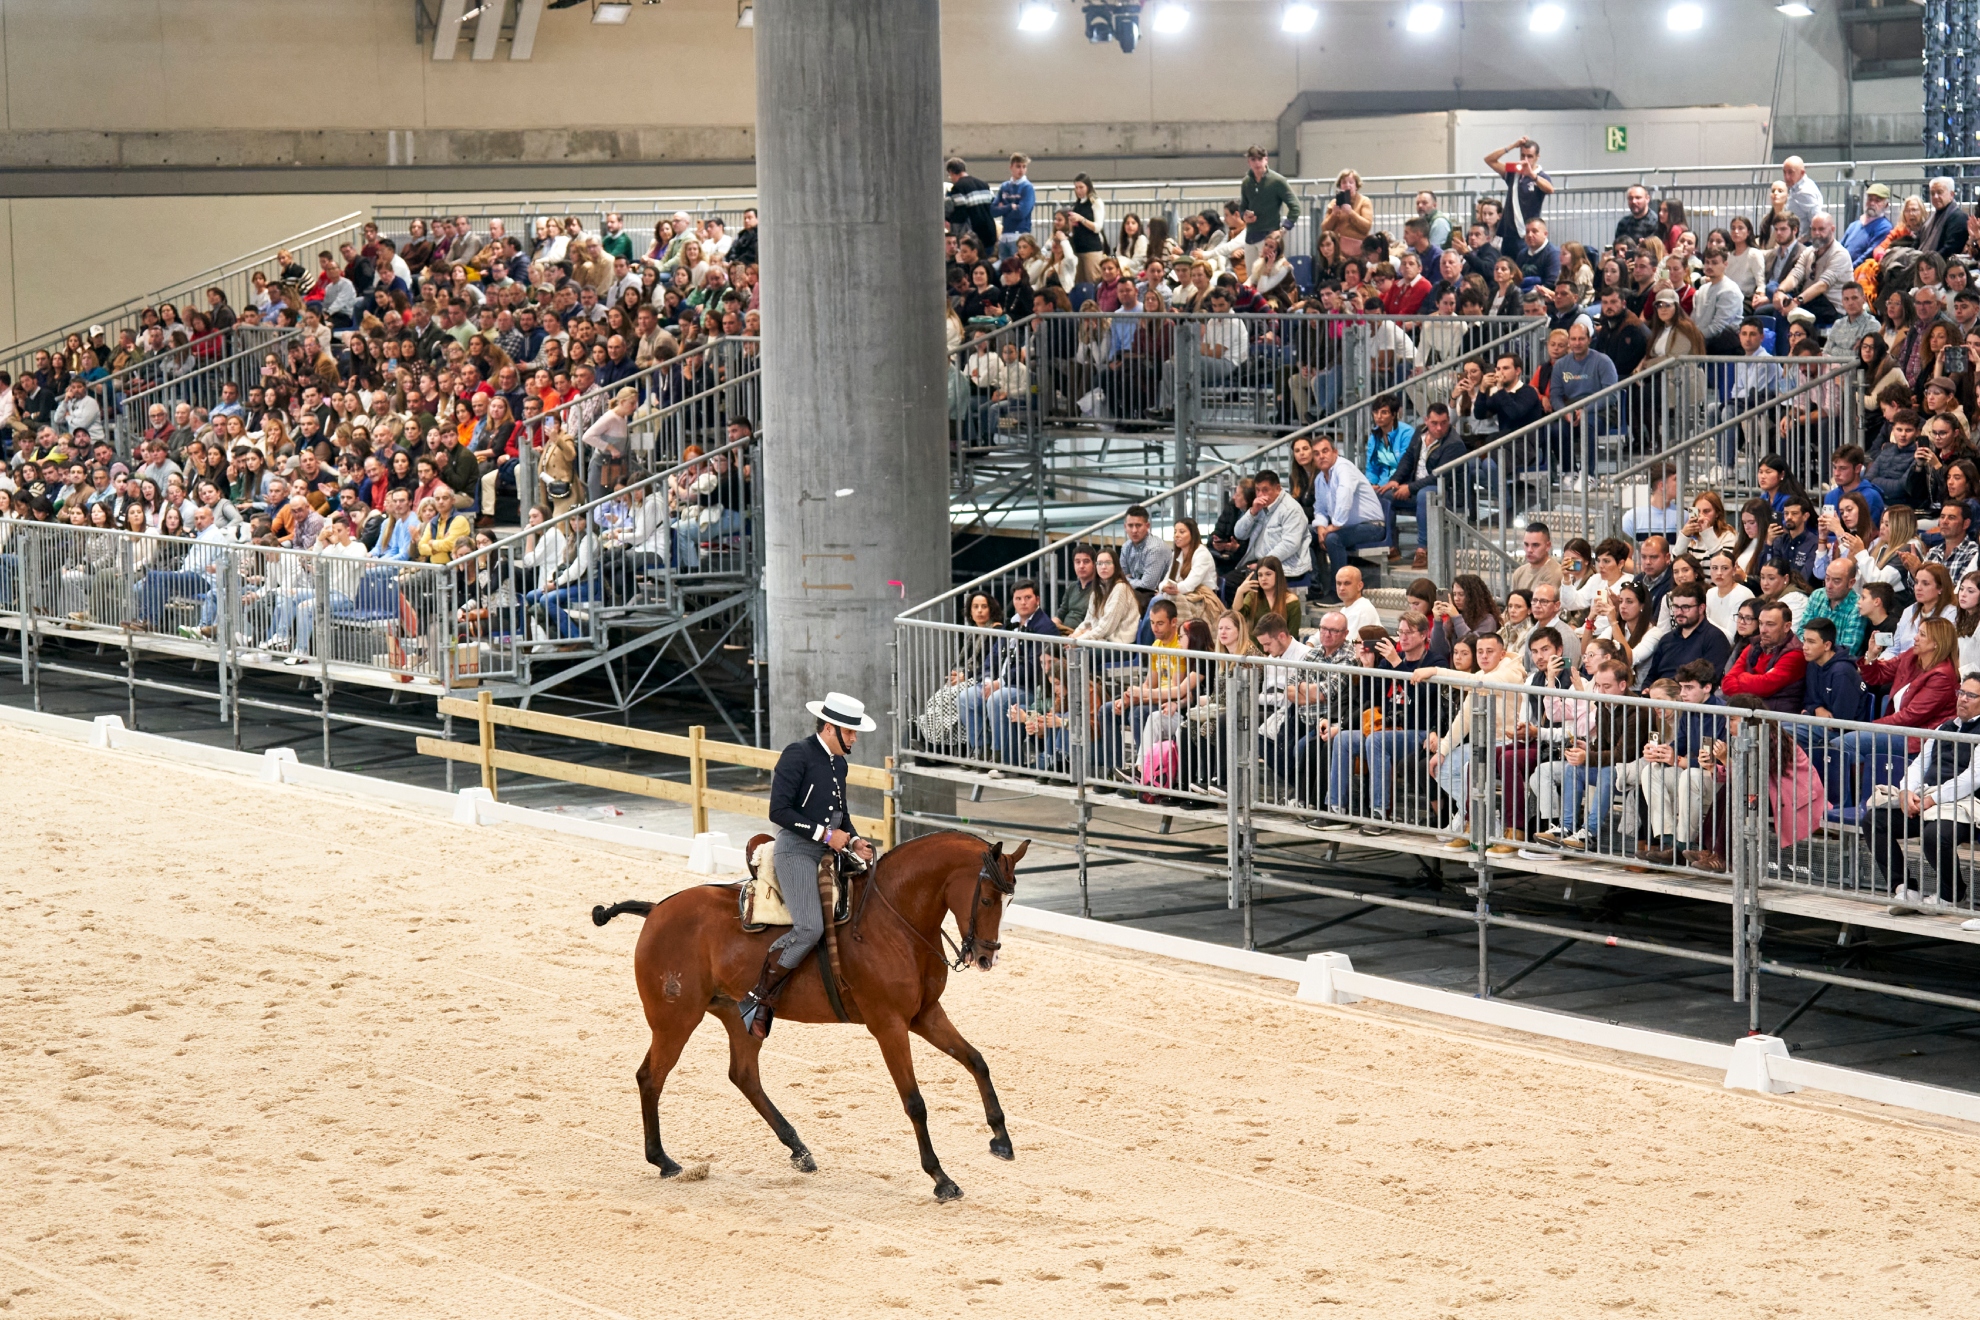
[758,1006]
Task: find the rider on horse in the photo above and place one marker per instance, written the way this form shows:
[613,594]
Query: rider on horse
[808,800]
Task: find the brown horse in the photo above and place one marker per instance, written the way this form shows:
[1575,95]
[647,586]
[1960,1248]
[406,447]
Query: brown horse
[693,957]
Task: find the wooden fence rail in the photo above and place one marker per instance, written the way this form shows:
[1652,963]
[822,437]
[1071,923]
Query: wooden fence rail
[696,748]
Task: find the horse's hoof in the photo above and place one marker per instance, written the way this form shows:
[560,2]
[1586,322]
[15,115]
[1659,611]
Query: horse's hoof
[1001,1148]
[668,1168]
[946,1190]
[801,1161]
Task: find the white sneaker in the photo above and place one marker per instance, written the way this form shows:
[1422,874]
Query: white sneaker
[1971,925]
[1906,902]
[995,774]
[275,644]
[1340,826]
[1579,841]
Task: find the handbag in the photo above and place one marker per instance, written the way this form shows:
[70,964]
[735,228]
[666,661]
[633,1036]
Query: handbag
[556,490]
[940,720]
[1159,764]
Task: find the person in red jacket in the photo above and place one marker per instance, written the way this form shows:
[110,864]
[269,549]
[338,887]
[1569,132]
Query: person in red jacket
[1405,296]
[1924,688]
[1772,671]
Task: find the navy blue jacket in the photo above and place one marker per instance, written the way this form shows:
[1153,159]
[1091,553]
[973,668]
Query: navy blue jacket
[1707,642]
[1797,552]
[1016,662]
[808,790]
[1838,688]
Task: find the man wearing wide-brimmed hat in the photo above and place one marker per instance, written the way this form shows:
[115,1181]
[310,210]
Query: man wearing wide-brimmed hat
[808,802]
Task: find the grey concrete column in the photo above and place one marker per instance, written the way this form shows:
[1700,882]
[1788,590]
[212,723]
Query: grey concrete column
[849,170]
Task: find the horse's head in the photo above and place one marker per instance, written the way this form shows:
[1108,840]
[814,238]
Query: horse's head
[983,921]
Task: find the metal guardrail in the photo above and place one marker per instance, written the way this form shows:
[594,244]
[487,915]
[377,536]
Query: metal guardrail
[1565,780]
[352,619]
[1583,209]
[683,536]
[1586,469]
[185,375]
[234,278]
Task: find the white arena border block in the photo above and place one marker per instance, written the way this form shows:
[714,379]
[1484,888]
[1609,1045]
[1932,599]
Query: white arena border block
[1754,1063]
[279,765]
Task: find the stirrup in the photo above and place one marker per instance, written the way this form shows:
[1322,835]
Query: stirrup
[755,1011]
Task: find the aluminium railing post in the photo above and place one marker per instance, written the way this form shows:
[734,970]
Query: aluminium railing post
[319,633]
[1759,776]
[1078,716]
[1240,773]
[1189,380]
[1483,708]
[1741,825]
[1439,536]
[229,604]
[30,631]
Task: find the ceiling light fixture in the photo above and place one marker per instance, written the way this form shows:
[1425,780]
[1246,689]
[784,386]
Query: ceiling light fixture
[1424,19]
[1169,17]
[1037,15]
[1298,17]
[1796,9]
[611,13]
[745,14]
[1546,18]
[1685,18]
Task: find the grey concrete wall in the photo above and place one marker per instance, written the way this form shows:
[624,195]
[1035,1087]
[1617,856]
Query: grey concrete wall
[849,139]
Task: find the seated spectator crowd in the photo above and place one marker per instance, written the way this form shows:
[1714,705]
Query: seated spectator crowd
[392,427]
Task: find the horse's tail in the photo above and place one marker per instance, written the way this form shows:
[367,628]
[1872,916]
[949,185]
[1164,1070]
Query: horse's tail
[602,914]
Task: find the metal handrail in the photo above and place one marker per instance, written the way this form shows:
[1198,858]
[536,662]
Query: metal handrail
[515,539]
[177,288]
[1316,427]
[1841,368]
[1556,416]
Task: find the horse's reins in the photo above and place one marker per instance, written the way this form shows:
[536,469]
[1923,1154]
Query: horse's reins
[970,941]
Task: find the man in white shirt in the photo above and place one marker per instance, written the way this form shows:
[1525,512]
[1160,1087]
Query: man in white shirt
[1661,514]
[1347,513]
[1804,198]
[1356,608]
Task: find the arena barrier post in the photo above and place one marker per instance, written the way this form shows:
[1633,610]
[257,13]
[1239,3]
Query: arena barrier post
[484,699]
[1079,715]
[1240,713]
[1483,764]
[697,776]
[1743,846]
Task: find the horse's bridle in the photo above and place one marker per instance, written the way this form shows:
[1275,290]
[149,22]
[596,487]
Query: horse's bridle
[991,874]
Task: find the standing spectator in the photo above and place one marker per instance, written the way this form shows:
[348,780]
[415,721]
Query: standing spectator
[1350,216]
[1012,209]
[1581,373]
[1266,202]
[1804,199]
[969,203]
[1527,189]
[1086,219]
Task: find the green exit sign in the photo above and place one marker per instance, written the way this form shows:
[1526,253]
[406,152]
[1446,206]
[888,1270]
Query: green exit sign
[1615,138]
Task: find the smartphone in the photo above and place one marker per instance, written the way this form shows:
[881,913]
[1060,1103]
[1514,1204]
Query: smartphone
[1341,197]
[1955,363]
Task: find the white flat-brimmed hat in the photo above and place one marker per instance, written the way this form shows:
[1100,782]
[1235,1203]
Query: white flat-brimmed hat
[844,711]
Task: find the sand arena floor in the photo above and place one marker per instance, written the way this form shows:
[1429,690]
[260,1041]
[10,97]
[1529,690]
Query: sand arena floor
[270,1053]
